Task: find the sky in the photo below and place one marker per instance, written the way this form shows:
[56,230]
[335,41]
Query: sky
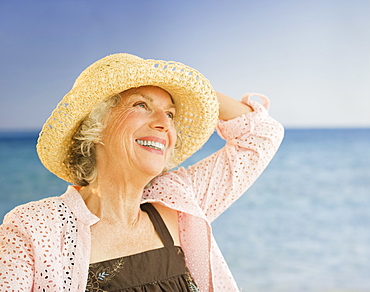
[311,58]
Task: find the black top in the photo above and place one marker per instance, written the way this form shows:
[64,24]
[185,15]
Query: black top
[161,269]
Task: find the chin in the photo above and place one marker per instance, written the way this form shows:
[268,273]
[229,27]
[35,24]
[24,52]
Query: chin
[153,173]
[155,169]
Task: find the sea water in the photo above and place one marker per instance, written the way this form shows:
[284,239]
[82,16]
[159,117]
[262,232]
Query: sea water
[303,226]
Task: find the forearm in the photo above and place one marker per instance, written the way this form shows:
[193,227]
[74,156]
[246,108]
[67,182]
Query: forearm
[221,178]
[231,108]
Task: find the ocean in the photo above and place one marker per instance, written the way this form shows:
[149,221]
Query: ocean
[303,226]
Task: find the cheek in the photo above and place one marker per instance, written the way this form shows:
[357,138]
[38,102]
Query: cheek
[173,137]
[121,120]
[118,126]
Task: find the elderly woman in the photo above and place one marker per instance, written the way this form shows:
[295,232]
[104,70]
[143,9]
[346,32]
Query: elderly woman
[127,223]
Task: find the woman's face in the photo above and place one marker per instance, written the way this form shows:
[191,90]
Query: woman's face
[140,132]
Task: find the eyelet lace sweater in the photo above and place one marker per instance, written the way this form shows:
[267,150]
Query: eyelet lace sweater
[45,245]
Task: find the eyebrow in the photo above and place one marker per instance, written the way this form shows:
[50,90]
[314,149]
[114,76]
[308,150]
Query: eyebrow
[149,98]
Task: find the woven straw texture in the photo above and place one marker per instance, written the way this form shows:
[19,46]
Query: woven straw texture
[195,100]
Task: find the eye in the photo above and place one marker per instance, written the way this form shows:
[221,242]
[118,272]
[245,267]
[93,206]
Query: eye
[170,115]
[141,104]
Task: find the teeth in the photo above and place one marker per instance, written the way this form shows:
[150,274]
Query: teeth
[151,144]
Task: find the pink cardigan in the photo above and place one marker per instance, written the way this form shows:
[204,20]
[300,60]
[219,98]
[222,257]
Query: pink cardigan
[45,245]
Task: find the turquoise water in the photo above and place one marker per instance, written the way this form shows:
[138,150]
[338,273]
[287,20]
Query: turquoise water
[303,226]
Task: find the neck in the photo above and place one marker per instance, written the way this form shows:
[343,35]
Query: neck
[114,202]
[116,193]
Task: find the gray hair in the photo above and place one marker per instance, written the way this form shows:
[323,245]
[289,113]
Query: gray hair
[81,160]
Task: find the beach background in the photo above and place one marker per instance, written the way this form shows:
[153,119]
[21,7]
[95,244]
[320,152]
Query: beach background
[305,224]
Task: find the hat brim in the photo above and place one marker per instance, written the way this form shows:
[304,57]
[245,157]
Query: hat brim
[194,97]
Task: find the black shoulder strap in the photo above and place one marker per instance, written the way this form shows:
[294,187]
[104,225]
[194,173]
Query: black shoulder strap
[158,224]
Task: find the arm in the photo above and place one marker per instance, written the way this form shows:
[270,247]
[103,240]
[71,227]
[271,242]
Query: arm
[231,108]
[16,258]
[252,140]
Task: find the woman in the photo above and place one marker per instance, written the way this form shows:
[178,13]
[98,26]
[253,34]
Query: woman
[127,223]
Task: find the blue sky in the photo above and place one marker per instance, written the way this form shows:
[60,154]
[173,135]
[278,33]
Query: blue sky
[312,58]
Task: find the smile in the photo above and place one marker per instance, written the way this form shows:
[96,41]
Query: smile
[151,144]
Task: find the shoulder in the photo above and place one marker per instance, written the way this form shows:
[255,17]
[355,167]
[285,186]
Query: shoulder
[36,210]
[165,212]
[41,205]
[170,218]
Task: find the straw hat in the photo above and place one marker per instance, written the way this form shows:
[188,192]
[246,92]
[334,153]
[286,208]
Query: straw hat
[195,100]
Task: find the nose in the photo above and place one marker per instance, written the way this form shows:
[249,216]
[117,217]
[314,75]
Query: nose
[160,121]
